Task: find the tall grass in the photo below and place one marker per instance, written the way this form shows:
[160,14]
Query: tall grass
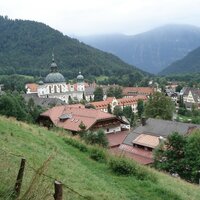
[81,170]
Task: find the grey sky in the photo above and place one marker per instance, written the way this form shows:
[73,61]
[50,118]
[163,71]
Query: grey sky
[86,17]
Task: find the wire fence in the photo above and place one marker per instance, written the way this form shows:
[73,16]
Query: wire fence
[36,183]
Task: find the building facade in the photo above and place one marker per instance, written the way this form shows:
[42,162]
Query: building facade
[191,97]
[123,102]
[55,86]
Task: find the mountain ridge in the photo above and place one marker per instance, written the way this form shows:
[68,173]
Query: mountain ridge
[190,63]
[152,50]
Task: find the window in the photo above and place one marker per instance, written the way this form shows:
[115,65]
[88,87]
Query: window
[55,89]
[49,89]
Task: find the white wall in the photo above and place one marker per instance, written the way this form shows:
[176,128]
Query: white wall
[112,129]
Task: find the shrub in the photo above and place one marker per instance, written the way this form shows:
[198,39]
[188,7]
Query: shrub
[145,174]
[122,166]
[77,144]
[98,137]
[98,154]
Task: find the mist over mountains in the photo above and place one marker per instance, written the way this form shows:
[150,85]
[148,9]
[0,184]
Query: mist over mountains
[189,64]
[151,51]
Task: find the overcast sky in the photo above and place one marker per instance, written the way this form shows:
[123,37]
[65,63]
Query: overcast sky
[87,17]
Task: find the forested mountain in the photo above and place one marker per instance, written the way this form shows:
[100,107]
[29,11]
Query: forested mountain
[26,48]
[189,64]
[151,51]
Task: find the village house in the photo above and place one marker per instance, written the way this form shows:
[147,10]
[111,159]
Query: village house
[134,91]
[70,117]
[123,102]
[45,103]
[140,142]
[172,85]
[173,95]
[31,88]
[191,96]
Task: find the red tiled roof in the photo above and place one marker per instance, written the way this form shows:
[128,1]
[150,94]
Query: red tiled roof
[78,115]
[139,155]
[121,102]
[102,104]
[78,105]
[115,139]
[147,140]
[131,100]
[137,90]
[32,86]
[137,158]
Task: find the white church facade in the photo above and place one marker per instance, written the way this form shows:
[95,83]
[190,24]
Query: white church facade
[55,86]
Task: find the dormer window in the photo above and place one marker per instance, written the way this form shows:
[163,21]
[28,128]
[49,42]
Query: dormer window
[64,117]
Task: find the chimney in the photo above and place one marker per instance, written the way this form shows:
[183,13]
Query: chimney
[143,121]
[161,139]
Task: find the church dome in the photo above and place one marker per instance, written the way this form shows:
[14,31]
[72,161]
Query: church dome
[80,76]
[54,77]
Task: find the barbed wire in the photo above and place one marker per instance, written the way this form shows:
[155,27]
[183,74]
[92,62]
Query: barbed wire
[43,174]
[53,178]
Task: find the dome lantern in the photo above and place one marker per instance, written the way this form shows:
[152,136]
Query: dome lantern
[80,77]
[54,76]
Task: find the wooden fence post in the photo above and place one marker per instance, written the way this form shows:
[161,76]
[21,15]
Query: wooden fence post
[58,190]
[19,178]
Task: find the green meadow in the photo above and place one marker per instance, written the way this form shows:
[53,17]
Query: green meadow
[49,157]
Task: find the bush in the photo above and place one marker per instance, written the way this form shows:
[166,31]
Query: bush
[196,120]
[145,174]
[98,138]
[98,154]
[75,143]
[122,166]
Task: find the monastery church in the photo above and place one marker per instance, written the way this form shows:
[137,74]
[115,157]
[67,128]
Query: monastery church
[55,86]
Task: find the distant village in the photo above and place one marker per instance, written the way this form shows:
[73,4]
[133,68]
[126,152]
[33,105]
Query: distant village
[70,105]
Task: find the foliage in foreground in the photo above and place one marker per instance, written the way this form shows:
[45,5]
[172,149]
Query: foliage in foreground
[124,166]
[180,155]
[13,105]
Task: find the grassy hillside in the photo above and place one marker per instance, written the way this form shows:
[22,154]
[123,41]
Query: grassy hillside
[91,179]
[189,64]
[26,48]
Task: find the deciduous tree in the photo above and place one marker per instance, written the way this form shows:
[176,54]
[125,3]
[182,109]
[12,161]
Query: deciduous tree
[98,94]
[118,111]
[140,107]
[159,106]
